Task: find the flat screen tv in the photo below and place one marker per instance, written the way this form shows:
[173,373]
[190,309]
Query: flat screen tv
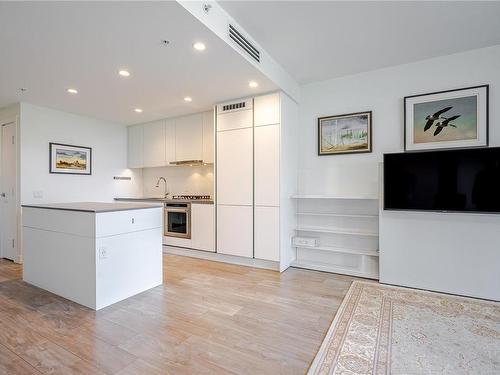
[462,180]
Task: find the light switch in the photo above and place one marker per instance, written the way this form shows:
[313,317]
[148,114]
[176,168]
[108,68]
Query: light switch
[103,252]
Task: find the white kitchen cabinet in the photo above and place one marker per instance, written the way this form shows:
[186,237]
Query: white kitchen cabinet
[95,254]
[169,141]
[135,146]
[235,230]
[267,165]
[267,109]
[154,144]
[189,137]
[235,167]
[208,137]
[202,227]
[256,160]
[267,230]
[237,115]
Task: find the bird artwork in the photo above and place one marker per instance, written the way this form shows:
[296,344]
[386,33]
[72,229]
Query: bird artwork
[446,122]
[440,121]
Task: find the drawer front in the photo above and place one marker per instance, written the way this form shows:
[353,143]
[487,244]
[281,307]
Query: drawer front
[71,222]
[118,222]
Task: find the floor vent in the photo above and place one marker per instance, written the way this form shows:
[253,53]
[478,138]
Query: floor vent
[243,42]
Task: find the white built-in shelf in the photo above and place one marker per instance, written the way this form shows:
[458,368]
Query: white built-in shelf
[371,253]
[337,215]
[325,267]
[348,232]
[312,196]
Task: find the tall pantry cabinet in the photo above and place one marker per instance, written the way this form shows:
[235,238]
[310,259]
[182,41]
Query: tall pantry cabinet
[256,176]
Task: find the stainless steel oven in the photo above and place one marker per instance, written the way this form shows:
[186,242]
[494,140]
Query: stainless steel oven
[177,220]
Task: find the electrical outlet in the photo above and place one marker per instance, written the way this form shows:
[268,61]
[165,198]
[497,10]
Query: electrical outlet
[103,252]
[38,194]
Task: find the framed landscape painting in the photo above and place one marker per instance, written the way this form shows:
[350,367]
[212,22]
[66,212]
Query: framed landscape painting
[447,119]
[70,159]
[345,134]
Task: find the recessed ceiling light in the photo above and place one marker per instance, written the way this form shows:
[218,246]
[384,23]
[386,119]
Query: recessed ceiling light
[72,91]
[188,99]
[138,110]
[253,84]
[124,73]
[199,46]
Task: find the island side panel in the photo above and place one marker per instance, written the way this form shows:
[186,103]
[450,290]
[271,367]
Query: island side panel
[58,254]
[128,254]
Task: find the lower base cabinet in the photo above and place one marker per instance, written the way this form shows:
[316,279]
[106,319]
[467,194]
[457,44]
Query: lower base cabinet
[202,227]
[235,230]
[267,230]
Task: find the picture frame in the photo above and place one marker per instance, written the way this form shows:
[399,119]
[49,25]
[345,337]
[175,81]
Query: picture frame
[449,119]
[70,159]
[349,133]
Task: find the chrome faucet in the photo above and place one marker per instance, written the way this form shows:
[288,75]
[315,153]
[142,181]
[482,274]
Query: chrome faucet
[166,188]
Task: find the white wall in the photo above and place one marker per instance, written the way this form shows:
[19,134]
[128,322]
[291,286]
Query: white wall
[180,180]
[454,253]
[382,91]
[39,126]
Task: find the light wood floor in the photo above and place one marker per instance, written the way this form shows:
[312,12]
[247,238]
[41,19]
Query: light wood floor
[207,318]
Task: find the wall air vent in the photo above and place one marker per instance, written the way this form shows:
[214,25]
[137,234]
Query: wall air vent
[243,42]
[241,105]
[232,106]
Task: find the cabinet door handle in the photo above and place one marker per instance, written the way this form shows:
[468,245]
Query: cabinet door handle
[133,220]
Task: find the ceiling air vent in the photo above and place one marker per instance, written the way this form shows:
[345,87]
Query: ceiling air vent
[243,42]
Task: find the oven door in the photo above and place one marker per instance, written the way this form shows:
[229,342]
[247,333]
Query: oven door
[178,220]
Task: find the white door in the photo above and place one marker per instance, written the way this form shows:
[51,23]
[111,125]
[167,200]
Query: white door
[235,167]
[267,165]
[267,233]
[235,230]
[8,248]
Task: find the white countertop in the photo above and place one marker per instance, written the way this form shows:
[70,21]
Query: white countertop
[166,200]
[95,207]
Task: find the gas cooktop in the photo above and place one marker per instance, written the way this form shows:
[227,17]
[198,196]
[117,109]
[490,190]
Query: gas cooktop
[191,197]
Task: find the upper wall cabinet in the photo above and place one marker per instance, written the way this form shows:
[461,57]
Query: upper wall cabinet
[189,137]
[154,144]
[267,109]
[135,146]
[169,141]
[158,143]
[238,115]
[208,137]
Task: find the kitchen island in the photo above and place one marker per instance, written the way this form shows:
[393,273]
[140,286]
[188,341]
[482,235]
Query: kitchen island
[93,253]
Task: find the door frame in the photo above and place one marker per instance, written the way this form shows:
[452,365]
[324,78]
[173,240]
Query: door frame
[17,239]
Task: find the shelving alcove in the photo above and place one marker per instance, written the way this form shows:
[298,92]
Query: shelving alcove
[337,234]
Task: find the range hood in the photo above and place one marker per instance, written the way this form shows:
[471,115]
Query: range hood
[191,163]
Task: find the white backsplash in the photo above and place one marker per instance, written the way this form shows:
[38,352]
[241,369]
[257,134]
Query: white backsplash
[180,180]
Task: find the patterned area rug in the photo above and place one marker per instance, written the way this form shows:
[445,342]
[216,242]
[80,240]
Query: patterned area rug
[399,331]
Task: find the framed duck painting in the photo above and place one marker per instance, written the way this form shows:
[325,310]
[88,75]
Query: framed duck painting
[447,119]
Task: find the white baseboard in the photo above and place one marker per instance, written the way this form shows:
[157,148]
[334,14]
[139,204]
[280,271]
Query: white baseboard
[248,262]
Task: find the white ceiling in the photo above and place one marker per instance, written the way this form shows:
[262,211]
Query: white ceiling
[47,47]
[320,40]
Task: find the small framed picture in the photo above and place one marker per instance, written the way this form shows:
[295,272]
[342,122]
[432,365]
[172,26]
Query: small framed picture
[447,119]
[70,159]
[345,134]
